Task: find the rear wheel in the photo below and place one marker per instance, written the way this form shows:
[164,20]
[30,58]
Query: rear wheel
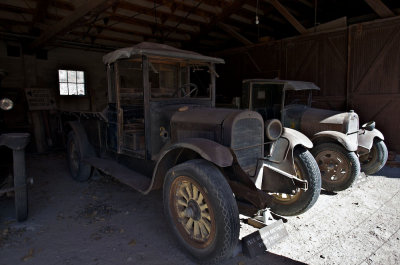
[79,170]
[201,210]
[375,159]
[339,167]
[307,169]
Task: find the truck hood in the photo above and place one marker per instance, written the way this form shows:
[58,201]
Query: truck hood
[312,120]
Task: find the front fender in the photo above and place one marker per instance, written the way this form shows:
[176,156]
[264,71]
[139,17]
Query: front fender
[366,138]
[297,138]
[86,148]
[335,136]
[209,150]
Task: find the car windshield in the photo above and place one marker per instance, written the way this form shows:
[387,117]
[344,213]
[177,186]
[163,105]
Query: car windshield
[266,95]
[174,80]
[300,97]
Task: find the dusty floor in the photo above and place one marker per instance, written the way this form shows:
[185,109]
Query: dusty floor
[104,222]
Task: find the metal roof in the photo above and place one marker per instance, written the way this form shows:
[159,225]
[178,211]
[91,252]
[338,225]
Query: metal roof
[288,84]
[156,49]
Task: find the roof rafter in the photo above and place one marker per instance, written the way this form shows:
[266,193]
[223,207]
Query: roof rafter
[91,6]
[290,18]
[380,8]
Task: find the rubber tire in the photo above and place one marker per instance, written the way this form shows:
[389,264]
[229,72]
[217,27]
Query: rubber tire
[84,171]
[309,169]
[222,201]
[352,160]
[382,155]
[21,202]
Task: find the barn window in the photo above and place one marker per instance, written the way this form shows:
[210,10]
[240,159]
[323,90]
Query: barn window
[71,83]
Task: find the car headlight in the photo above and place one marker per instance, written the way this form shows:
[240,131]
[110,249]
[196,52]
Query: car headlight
[273,129]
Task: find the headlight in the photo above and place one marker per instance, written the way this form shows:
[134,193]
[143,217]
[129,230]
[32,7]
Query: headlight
[273,129]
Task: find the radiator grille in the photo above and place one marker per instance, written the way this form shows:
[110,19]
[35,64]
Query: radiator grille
[247,140]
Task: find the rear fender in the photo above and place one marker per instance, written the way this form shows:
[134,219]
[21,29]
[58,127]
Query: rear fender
[333,136]
[189,149]
[366,138]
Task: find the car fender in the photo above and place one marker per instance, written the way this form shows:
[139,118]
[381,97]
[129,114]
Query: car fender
[366,138]
[296,138]
[281,153]
[334,136]
[209,150]
[86,148]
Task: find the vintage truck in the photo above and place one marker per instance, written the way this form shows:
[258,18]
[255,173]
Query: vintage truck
[161,130]
[341,148]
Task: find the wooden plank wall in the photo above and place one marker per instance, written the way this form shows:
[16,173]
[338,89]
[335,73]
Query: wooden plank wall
[356,67]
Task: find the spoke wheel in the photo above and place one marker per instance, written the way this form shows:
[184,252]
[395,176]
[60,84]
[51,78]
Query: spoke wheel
[201,210]
[192,213]
[284,198]
[294,204]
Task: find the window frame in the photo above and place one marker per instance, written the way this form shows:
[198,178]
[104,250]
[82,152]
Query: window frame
[76,83]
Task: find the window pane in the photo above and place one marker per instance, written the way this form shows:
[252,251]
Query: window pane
[63,89]
[62,75]
[81,89]
[72,76]
[80,77]
[72,89]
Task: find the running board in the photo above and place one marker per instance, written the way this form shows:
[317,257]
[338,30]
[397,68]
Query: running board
[125,175]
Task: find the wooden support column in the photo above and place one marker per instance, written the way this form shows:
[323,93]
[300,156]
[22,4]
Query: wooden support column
[380,8]
[284,12]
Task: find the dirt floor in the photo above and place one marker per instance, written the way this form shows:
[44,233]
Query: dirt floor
[105,222]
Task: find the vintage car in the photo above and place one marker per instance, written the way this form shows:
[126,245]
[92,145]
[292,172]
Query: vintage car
[161,130]
[340,146]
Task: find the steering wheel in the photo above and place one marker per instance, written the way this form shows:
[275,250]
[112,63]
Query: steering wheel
[193,91]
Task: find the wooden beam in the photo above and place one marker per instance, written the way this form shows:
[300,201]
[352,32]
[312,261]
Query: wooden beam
[380,8]
[231,31]
[227,11]
[284,12]
[89,6]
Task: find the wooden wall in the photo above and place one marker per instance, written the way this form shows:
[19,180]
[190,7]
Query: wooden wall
[356,67]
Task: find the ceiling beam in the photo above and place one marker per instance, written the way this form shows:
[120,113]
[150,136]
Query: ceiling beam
[231,31]
[290,18]
[226,12]
[380,8]
[91,6]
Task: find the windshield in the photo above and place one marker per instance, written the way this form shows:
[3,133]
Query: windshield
[174,80]
[300,97]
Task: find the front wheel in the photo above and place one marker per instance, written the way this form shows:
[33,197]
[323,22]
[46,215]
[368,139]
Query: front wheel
[307,169]
[375,159]
[201,210]
[339,167]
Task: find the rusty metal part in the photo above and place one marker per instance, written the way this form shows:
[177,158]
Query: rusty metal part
[332,165]
[193,214]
